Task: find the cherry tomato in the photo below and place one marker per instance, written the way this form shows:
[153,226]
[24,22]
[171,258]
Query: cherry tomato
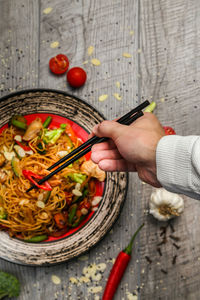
[169,130]
[76,77]
[59,64]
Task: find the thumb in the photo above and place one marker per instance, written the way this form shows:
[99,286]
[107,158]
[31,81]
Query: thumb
[109,129]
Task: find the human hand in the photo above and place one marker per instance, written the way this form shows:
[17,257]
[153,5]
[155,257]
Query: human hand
[130,148]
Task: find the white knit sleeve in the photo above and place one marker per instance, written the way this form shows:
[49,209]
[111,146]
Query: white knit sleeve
[178,164]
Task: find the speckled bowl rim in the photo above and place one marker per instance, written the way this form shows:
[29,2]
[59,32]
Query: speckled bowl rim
[45,254]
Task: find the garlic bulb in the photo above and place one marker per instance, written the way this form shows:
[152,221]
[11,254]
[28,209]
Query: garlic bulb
[165,205]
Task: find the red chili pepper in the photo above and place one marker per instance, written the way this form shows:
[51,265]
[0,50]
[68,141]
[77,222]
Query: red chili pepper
[30,175]
[26,148]
[118,269]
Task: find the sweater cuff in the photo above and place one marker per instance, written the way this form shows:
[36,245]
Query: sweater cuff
[175,170]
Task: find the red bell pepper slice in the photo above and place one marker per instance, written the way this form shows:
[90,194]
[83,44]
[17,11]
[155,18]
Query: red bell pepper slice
[30,175]
[26,148]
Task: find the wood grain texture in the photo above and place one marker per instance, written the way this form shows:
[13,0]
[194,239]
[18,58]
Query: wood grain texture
[170,75]
[164,67]
[19,45]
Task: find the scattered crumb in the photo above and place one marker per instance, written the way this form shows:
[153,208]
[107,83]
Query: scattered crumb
[90,50]
[83,258]
[101,267]
[113,260]
[131,32]
[95,62]
[139,50]
[95,208]
[130,296]
[3,62]
[73,280]
[47,10]
[117,83]
[84,279]
[103,97]
[54,44]
[162,99]
[117,96]
[55,279]
[85,62]
[95,289]
[127,55]
[93,271]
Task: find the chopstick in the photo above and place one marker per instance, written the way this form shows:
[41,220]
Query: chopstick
[83,152]
[126,120]
[95,139]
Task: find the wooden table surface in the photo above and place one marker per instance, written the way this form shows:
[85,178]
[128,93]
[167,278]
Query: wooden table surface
[162,38]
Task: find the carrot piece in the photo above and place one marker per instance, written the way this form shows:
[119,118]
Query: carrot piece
[60,220]
[71,133]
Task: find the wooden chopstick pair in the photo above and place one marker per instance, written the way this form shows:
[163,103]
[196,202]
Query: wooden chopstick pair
[83,149]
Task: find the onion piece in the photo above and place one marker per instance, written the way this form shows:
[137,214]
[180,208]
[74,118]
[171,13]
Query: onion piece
[62,153]
[18,138]
[84,211]
[77,186]
[40,204]
[96,200]
[40,197]
[77,192]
